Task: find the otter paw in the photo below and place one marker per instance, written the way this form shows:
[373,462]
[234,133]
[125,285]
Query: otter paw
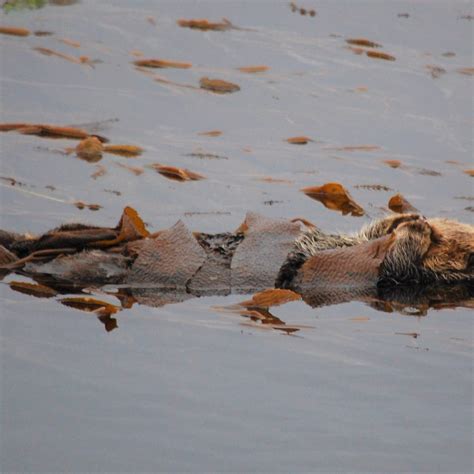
[415,229]
[393,222]
[412,239]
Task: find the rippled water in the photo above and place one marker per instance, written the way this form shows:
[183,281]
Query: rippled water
[185,387]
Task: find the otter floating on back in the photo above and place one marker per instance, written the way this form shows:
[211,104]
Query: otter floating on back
[404,249]
[399,250]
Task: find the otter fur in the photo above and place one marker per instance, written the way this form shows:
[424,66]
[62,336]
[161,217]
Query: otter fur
[406,249]
[398,250]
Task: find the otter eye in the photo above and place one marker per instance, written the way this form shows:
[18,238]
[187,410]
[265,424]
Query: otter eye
[470,261]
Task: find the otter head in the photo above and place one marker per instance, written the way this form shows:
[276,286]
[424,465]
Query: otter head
[428,251]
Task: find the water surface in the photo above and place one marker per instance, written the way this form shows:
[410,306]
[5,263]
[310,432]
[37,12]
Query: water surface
[184,387]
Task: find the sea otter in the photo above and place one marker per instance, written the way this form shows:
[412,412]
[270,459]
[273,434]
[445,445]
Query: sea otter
[399,250]
[403,249]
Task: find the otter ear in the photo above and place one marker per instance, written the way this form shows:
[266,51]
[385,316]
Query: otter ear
[470,261]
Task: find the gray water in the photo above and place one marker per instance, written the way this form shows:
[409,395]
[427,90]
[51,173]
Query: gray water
[184,387]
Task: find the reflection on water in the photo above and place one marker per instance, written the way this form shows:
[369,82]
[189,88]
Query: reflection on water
[409,301]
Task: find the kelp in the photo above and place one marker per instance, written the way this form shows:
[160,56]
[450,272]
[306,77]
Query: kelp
[380,55]
[218,86]
[398,203]
[301,140]
[161,64]
[14,31]
[136,170]
[302,11]
[355,148]
[86,303]
[335,197]
[211,133]
[99,172]
[206,25]
[270,297]
[83,205]
[33,289]
[90,149]
[128,151]
[177,174]
[253,69]
[49,131]
[72,59]
[70,42]
[363,42]
[257,310]
[71,238]
[393,163]
[466,71]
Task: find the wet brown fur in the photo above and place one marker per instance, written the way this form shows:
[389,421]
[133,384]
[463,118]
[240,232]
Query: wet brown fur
[419,250]
[430,251]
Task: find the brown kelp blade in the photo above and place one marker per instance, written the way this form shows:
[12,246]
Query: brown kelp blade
[89,304]
[67,57]
[355,148]
[363,42]
[270,297]
[211,133]
[90,149]
[130,227]
[301,140]
[177,174]
[161,63]
[259,257]
[466,71]
[398,203]
[128,151]
[257,310]
[218,86]
[253,69]
[393,163]
[49,131]
[334,196]
[14,31]
[168,261]
[136,170]
[380,55]
[261,318]
[75,237]
[66,238]
[84,205]
[6,256]
[33,289]
[205,25]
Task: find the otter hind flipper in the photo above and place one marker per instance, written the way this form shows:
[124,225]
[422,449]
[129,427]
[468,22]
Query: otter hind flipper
[168,261]
[258,259]
[289,270]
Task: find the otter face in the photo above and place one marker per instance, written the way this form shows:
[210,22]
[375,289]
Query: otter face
[428,250]
[452,249]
